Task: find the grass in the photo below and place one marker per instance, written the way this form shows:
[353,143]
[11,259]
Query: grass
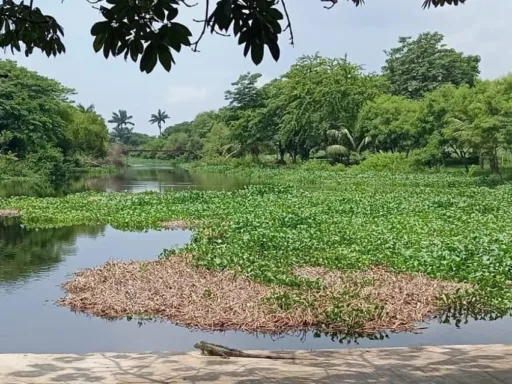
[441,226]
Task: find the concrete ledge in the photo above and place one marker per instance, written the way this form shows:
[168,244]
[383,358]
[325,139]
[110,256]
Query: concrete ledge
[487,364]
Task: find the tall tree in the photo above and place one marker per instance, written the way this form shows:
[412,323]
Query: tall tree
[419,66]
[147,30]
[121,129]
[159,118]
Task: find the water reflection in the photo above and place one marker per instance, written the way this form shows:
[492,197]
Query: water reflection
[27,254]
[133,179]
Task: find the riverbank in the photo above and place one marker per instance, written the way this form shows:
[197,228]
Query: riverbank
[491,364]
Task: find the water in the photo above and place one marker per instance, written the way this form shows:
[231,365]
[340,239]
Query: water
[132,179]
[35,263]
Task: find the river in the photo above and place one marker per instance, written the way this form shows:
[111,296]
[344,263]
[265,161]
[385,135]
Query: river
[35,263]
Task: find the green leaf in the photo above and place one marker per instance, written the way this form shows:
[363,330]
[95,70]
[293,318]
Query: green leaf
[257,52]
[165,57]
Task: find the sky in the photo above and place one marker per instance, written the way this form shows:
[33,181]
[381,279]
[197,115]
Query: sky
[198,80]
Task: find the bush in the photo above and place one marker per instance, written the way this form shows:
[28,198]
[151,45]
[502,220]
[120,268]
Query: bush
[387,162]
[48,162]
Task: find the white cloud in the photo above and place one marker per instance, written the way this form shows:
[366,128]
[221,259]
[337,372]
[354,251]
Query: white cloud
[180,94]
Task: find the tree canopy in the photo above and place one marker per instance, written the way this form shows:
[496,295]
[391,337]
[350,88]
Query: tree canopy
[420,66]
[146,31]
[41,126]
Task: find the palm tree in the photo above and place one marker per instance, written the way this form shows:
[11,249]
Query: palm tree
[82,108]
[159,119]
[121,131]
[340,150]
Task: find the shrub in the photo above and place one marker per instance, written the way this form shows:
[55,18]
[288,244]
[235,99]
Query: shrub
[48,162]
[387,162]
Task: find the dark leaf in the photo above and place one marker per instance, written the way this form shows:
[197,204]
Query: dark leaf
[247,48]
[274,49]
[158,11]
[165,57]
[100,28]
[149,58]
[257,52]
[172,12]
[98,42]
[134,53]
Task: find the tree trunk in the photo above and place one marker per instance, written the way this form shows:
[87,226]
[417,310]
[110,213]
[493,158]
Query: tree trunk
[494,164]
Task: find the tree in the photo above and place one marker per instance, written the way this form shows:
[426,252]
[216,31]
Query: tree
[391,123]
[87,133]
[159,119]
[84,109]
[121,131]
[419,66]
[147,31]
[30,109]
[245,93]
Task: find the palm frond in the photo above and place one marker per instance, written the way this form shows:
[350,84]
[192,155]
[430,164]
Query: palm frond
[336,150]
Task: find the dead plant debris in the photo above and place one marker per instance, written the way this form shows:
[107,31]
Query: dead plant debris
[7,212]
[177,224]
[176,290]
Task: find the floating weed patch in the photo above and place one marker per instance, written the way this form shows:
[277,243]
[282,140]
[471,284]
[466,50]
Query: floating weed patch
[445,227]
[176,290]
[9,213]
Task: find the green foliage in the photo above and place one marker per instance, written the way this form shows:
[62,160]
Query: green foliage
[147,30]
[391,123]
[40,129]
[30,109]
[387,162]
[419,66]
[50,163]
[87,133]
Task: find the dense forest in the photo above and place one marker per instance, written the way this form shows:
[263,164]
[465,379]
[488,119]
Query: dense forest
[427,107]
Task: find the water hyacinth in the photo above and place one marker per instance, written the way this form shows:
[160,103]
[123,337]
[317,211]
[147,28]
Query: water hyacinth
[442,226]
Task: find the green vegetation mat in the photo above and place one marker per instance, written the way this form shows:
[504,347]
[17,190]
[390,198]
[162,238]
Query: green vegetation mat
[446,227]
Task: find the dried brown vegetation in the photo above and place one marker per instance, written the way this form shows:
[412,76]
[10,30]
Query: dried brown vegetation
[176,290]
[177,224]
[9,212]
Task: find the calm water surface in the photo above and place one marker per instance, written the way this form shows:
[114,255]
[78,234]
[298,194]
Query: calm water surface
[131,179]
[34,264]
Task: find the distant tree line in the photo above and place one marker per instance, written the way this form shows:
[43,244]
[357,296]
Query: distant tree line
[427,103]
